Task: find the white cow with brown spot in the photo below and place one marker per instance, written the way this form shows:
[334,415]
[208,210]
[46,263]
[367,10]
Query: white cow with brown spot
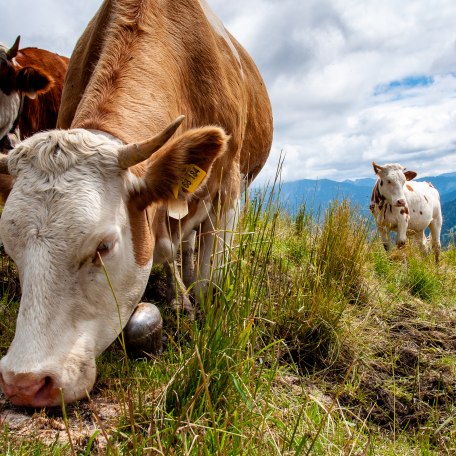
[406,207]
[102,188]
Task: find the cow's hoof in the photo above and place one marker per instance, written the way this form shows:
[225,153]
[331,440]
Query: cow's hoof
[183,304]
[143,332]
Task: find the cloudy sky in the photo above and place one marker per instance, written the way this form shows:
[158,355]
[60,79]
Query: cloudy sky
[351,81]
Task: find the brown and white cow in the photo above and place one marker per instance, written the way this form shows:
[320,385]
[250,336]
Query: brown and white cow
[99,188]
[404,206]
[31,82]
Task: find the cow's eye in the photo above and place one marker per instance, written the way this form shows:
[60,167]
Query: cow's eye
[381,183]
[104,247]
[389,182]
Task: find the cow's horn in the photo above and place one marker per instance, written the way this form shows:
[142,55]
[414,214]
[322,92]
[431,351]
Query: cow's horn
[4,164]
[12,52]
[132,154]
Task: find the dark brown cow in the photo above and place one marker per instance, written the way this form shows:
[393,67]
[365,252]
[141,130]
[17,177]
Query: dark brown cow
[31,82]
[101,189]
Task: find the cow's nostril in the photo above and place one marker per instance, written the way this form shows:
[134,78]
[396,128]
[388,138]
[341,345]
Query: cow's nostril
[47,393]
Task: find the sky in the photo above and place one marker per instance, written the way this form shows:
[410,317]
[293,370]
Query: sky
[350,81]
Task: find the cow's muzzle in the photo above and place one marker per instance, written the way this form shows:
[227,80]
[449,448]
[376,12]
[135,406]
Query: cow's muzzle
[30,390]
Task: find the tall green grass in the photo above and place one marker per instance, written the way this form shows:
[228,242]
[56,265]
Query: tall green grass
[328,276]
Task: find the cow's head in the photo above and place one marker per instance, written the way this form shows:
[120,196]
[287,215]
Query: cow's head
[391,180]
[17,81]
[77,204]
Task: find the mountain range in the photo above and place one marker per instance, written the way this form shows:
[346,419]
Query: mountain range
[317,194]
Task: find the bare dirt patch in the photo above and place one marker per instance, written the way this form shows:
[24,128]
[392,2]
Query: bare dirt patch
[411,378]
[86,420]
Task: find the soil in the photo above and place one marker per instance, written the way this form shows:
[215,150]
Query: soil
[411,380]
[84,419]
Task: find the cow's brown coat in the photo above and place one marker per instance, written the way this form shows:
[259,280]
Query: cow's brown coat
[139,64]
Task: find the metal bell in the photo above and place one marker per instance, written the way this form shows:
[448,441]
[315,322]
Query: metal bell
[143,332]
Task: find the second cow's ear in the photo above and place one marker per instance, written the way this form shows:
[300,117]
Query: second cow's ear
[33,81]
[181,166]
[377,168]
[409,175]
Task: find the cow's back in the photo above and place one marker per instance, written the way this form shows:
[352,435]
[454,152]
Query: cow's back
[423,203]
[259,127]
[41,112]
[131,73]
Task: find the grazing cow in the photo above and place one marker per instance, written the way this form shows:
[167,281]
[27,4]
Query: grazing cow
[91,198]
[31,82]
[400,205]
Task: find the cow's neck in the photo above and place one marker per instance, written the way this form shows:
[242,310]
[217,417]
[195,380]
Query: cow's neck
[377,198]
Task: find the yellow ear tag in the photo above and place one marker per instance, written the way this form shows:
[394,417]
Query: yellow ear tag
[192,178]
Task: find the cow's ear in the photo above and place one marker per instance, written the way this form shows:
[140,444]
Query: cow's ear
[33,81]
[181,166]
[377,168]
[409,175]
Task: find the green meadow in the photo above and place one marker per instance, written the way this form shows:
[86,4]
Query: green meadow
[315,341]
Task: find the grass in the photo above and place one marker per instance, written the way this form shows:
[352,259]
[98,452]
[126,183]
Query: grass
[314,341]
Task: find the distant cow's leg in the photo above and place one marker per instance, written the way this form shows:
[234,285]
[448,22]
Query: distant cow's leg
[435,228]
[401,233]
[385,236]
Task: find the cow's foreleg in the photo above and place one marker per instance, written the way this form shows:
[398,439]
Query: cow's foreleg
[385,236]
[401,232]
[188,263]
[421,240]
[176,291]
[215,246]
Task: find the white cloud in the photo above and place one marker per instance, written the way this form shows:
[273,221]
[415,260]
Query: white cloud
[323,62]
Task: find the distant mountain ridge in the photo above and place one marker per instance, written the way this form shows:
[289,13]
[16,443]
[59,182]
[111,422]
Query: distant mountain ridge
[317,194]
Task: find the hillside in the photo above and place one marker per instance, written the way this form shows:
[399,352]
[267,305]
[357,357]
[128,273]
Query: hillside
[315,341]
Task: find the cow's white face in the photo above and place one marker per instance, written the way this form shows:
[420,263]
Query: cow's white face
[9,107]
[391,183]
[9,98]
[74,201]
[17,82]
[66,207]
